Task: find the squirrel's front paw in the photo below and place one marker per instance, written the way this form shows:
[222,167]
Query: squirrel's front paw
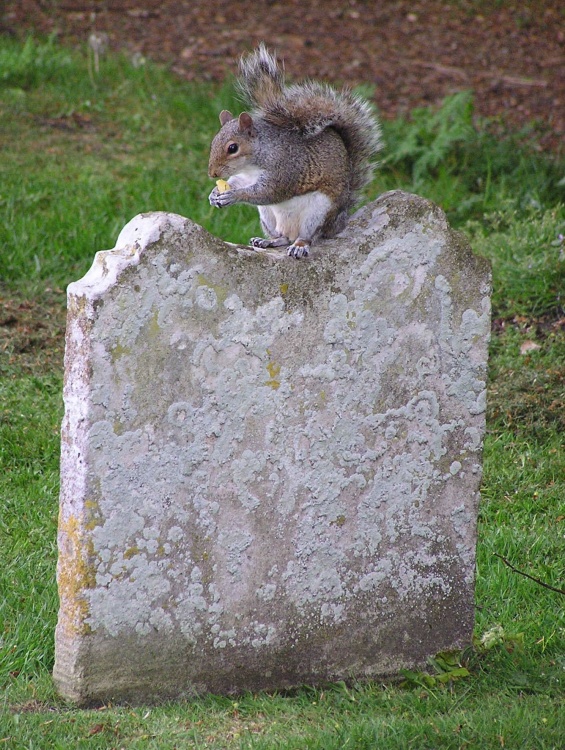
[299,249]
[219,200]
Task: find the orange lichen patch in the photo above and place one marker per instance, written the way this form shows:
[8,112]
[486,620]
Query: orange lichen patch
[75,574]
[274,371]
[93,518]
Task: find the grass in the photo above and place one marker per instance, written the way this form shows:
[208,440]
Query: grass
[84,153]
[135,140]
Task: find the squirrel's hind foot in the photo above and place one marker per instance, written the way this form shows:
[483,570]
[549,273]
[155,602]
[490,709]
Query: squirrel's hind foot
[265,243]
[299,249]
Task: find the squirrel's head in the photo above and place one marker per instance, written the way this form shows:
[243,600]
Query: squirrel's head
[232,146]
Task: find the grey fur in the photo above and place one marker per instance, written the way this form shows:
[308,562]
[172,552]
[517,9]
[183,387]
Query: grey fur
[261,84]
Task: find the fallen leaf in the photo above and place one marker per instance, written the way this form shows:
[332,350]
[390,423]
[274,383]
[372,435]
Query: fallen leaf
[529,346]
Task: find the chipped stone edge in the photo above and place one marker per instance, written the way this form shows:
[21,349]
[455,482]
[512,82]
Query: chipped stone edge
[108,265]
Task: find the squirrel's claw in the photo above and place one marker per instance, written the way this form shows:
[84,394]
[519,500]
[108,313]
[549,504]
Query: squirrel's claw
[259,242]
[270,242]
[299,249]
[219,200]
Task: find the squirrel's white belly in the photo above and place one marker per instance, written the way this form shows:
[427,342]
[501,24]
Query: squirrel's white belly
[300,216]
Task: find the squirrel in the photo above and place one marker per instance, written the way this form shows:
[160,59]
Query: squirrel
[301,155]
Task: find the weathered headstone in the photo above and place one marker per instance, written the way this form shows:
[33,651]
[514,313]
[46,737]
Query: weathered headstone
[270,468]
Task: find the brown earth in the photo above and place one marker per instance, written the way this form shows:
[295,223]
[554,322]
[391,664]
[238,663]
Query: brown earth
[511,54]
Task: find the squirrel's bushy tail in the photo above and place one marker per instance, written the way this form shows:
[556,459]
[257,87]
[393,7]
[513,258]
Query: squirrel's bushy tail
[261,79]
[312,107]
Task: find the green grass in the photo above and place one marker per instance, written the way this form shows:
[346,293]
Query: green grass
[81,154]
[29,426]
[364,718]
[81,159]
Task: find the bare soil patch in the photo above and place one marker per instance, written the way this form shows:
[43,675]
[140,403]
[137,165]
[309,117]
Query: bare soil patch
[32,332]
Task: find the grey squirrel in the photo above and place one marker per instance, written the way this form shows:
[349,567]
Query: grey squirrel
[301,155]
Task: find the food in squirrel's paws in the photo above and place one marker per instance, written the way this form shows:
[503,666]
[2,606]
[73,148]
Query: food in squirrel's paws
[222,185]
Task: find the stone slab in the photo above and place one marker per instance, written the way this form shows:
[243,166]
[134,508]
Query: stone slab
[270,468]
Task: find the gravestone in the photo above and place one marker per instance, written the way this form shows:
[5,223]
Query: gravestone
[270,468]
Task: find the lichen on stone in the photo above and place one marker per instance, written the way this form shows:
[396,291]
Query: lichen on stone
[270,463]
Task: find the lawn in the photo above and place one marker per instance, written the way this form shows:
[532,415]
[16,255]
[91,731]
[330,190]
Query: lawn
[82,152]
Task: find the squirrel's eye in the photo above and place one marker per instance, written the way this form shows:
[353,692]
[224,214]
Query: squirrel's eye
[233,148]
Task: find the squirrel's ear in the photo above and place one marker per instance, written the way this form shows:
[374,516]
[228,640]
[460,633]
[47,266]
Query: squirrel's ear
[246,123]
[225,116]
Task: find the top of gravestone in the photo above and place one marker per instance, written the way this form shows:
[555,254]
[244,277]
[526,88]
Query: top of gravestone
[394,213]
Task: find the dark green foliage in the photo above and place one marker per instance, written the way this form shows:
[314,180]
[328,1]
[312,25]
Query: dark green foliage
[28,65]
[463,164]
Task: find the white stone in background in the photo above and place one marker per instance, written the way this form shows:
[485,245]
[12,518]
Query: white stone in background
[270,468]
